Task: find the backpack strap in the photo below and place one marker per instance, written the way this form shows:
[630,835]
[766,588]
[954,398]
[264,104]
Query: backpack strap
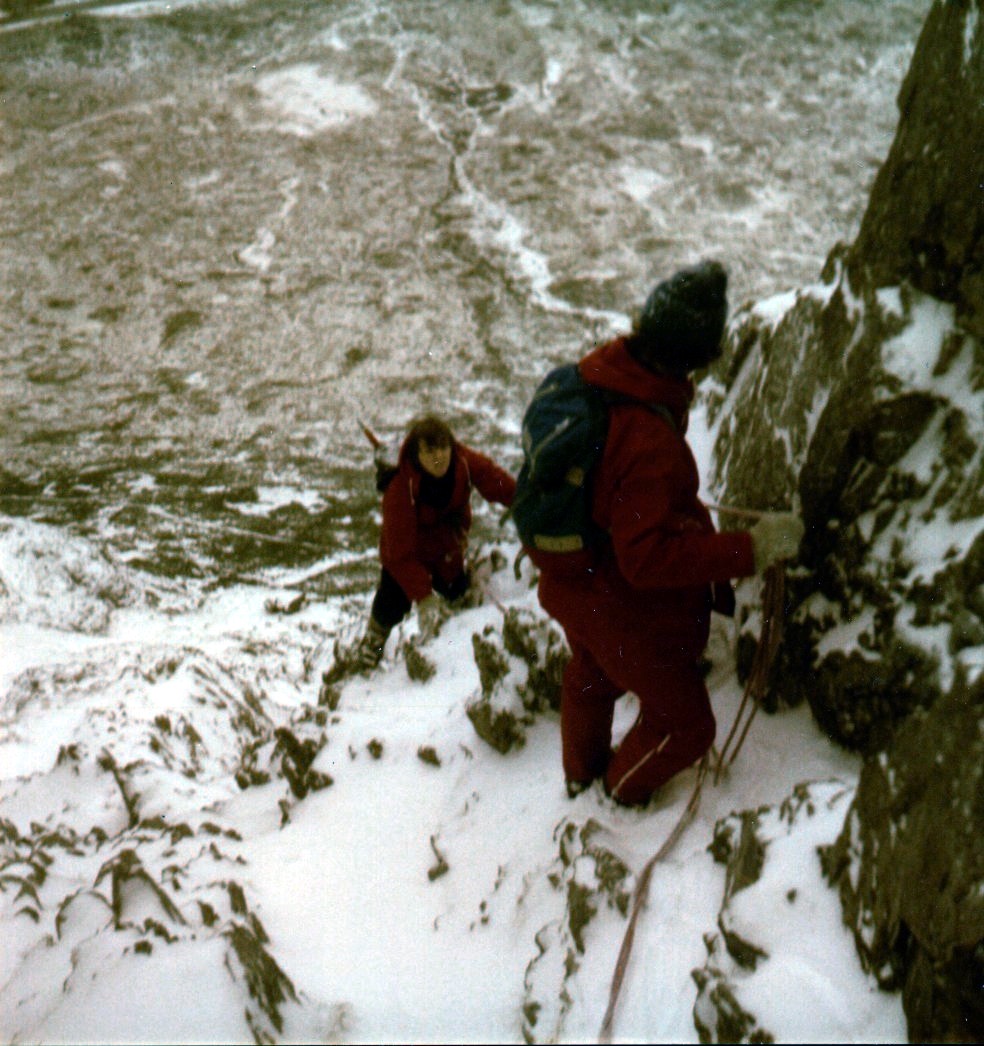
[618,399]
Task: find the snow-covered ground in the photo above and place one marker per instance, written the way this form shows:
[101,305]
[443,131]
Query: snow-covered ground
[423,895]
[229,232]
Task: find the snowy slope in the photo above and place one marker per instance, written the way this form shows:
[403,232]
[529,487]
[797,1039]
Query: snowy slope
[257,223]
[425,888]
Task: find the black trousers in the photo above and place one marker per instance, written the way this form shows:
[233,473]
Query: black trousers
[391,604]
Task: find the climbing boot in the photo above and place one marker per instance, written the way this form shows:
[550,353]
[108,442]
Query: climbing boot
[370,650]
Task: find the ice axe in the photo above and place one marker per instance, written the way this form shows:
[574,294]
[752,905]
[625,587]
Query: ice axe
[377,443]
[385,470]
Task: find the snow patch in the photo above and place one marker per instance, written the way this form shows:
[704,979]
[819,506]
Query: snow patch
[820,397]
[773,952]
[57,581]
[258,253]
[971,17]
[309,101]
[150,8]
[913,353]
[641,182]
[773,310]
[849,637]
[270,498]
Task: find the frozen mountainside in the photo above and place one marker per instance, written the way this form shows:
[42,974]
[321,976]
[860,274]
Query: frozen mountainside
[257,226]
[182,812]
[867,413]
[230,233]
[878,443]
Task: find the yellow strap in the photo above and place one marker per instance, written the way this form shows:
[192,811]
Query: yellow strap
[558,543]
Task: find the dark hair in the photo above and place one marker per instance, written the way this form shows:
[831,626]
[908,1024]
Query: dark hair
[430,430]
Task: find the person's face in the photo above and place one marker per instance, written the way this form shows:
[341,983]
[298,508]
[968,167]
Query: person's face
[434,459]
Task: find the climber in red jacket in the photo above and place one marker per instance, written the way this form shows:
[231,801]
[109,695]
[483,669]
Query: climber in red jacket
[638,617]
[426,518]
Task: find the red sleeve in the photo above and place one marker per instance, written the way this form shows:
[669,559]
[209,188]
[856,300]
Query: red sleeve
[661,533]
[398,544]
[492,482]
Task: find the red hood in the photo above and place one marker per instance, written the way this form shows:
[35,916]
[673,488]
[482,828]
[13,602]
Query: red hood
[610,366]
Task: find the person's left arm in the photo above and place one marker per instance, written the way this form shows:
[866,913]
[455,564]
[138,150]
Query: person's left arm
[491,481]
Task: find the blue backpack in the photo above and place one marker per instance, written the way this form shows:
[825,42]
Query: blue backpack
[564,431]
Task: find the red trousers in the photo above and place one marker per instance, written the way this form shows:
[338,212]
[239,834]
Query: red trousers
[628,640]
[674,728]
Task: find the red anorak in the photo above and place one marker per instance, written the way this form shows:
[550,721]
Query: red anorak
[637,616]
[420,540]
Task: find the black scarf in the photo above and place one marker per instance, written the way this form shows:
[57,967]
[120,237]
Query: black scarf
[437,492]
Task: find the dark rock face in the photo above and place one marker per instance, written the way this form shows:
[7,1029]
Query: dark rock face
[865,411]
[925,219]
[909,865]
[860,402]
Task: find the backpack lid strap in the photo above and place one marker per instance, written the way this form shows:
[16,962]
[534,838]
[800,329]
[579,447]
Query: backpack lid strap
[620,399]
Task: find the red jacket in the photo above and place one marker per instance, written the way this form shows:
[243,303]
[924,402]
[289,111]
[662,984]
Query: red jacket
[664,553]
[419,540]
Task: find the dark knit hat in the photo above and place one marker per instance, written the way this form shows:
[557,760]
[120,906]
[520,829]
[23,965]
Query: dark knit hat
[682,322]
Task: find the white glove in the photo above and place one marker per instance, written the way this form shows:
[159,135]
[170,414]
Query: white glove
[431,614]
[775,537]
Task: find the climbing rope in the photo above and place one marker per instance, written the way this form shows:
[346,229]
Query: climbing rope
[773,608]
[639,898]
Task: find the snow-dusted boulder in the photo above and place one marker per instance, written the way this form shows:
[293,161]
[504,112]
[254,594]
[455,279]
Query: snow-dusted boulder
[587,878]
[767,949]
[520,668]
[131,883]
[50,579]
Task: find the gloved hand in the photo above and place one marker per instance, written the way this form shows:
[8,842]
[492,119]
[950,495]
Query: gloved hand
[776,536]
[431,614]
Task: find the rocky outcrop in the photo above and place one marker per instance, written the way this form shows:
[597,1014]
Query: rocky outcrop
[864,411]
[520,669]
[924,224]
[587,878]
[125,873]
[765,914]
[909,866]
[860,402]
